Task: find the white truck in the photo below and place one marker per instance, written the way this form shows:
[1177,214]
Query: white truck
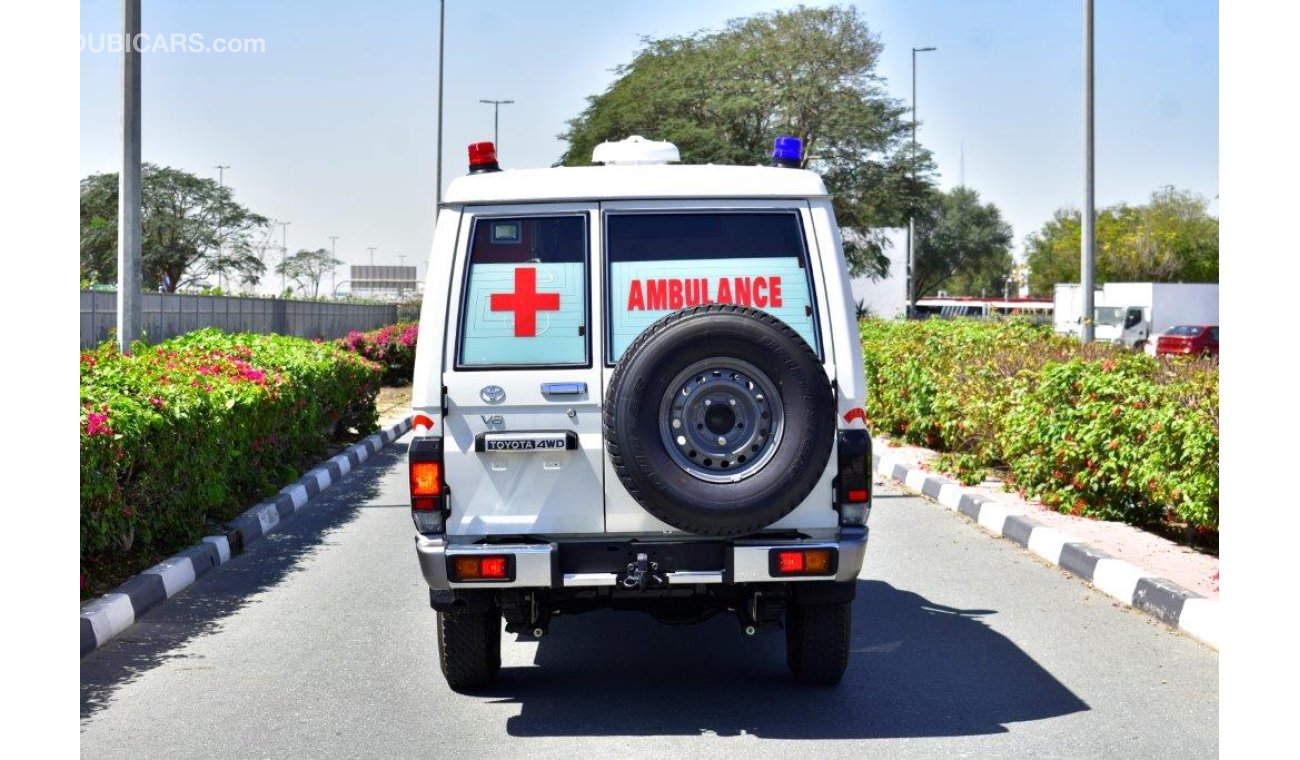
[1132,314]
[639,386]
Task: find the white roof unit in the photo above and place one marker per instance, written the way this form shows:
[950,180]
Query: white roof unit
[635,151]
[584,183]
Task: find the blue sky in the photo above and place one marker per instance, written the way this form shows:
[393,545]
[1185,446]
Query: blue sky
[333,127]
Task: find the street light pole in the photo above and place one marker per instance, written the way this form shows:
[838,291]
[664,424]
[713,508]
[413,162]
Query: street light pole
[1086,255]
[911,219]
[333,258]
[130,281]
[496,120]
[442,23]
[284,255]
[372,255]
[221,241]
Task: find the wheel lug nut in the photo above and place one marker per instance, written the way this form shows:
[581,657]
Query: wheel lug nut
[722,441]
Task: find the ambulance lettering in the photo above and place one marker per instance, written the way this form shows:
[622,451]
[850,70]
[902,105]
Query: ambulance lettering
[670,293]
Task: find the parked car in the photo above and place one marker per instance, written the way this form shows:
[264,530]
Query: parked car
[1189,340]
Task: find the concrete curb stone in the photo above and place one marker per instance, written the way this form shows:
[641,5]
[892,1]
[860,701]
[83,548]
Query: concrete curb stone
[1162,599]
[106,617]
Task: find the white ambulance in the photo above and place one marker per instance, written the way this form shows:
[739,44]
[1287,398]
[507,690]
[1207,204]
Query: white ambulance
[639,385]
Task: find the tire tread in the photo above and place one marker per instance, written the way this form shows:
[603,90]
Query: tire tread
[469,648]
[817,642]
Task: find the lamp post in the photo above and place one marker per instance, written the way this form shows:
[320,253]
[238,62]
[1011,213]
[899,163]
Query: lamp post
[437,191]
[221,241]
[130,279]
[496,120]
[284,255]
[1087,242]
[911,220]
[333,267]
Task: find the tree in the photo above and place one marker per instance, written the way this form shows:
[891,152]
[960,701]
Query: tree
[306,268]
[1172,238]
[961,243]
[192,230]
[722,97]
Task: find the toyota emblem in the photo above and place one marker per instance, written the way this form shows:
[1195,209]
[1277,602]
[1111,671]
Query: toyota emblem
[493,394]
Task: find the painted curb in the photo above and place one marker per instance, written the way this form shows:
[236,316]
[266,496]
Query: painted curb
[1164,600]
[103,619]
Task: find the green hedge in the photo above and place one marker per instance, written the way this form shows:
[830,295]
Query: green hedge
[200,427]
[1090,430]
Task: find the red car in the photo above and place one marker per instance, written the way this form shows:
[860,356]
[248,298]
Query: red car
[1189,340]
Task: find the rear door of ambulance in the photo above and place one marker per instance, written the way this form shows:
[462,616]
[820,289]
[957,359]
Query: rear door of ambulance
[667,254]
[523,441]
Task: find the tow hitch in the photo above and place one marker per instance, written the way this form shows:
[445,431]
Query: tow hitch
[642,574]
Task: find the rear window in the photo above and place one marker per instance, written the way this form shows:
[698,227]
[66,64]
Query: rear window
[525,301]
[659,263]
[1188,331]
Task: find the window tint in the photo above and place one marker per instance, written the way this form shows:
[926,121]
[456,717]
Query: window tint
[525,298]
[659,263]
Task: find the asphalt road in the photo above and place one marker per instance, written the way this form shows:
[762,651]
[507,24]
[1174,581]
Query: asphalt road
[319,643]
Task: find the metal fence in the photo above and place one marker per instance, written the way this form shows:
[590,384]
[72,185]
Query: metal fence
[167,315]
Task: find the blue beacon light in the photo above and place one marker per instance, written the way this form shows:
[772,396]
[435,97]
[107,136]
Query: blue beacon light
[787,152]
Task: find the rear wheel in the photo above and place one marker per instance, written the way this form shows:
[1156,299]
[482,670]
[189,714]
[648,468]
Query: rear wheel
[817,642]
[469,647]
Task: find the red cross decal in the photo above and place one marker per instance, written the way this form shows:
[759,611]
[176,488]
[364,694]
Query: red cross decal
[525,302]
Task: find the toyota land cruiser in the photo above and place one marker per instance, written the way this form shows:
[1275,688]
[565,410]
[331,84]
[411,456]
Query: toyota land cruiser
[639,386]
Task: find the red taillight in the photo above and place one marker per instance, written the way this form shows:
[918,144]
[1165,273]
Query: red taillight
[803,562]
[426,478]
[422,420]
[479,568]
[853,481]
[493,567]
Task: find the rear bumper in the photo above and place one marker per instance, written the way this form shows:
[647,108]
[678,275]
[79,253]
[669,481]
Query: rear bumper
[537,565]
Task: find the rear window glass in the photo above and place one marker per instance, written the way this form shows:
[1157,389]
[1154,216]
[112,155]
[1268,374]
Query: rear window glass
[1185,330]
[525,297]
[659,263]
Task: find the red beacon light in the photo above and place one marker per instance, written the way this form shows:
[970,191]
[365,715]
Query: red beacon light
[483,158]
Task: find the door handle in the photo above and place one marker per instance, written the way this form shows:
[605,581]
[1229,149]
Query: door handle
[564,389]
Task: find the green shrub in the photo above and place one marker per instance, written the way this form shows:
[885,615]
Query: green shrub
[392,346]
[1091,430]
[201,426]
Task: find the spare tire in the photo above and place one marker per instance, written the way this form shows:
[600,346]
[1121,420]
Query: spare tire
[719,419]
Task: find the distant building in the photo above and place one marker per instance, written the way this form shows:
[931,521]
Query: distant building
[887,297]
[384,283]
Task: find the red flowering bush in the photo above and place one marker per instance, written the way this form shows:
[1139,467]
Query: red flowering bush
[201,426]
[392,346]
[1090,430]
